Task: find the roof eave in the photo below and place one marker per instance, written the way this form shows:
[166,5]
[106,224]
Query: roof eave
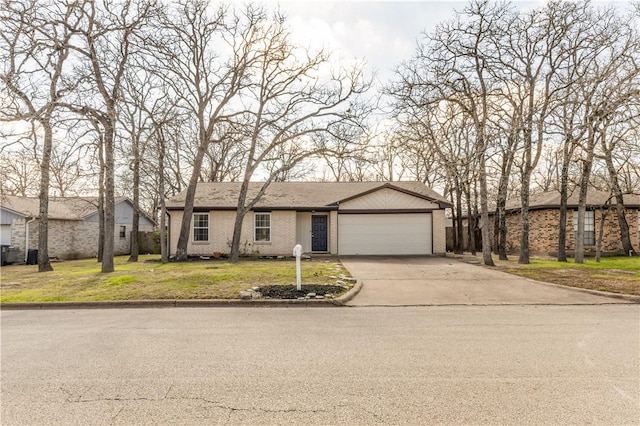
[15,212]
[256,208]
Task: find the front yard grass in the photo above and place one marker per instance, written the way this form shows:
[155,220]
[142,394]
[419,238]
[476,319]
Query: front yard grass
[82,281]
[612,274]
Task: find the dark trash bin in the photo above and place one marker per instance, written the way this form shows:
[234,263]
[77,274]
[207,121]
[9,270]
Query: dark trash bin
[5,254]
[9,255]
[32,257]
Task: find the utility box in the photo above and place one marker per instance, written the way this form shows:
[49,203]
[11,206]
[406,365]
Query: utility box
[32,257]
[9,255]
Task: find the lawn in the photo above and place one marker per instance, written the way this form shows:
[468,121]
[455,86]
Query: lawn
[613,274]
[82,281]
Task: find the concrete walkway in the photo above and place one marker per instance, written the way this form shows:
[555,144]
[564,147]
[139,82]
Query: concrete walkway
[415,281]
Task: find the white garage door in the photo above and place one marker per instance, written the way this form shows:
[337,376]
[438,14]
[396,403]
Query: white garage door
[408,233]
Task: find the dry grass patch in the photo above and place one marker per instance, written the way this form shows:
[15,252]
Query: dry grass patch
[613,274]
[82,281]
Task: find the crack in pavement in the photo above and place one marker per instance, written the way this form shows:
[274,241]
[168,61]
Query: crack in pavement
[374,415]
[113,418]
[71,398]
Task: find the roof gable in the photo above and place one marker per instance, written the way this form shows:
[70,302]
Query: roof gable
[387,198]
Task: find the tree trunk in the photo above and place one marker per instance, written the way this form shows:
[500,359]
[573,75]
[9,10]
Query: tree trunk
[185,227]
[502,241]
[524,192]
[109,200]
[237,228]
[471,225]
[562,226]
[135,226]
[101,200]
[43,225]
[524,230]
[500,230]
[603,216]
[459,248]
[625,238]
[484,209]
[109,196]
[496,233]
[582,201]
[163,210]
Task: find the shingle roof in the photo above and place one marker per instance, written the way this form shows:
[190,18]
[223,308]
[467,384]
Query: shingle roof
[551,199]
[296,195]
[68,208]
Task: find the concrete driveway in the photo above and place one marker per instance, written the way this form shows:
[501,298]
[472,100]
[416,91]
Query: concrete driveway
[415,281]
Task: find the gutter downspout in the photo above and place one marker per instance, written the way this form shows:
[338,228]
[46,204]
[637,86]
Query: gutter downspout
[168,234]
[337,226]
[26,242]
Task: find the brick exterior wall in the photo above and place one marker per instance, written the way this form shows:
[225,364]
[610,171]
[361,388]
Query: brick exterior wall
[333,232]
[221,223]
[543,231]
[18,235]
[439,232]
[286,232]
[69,239]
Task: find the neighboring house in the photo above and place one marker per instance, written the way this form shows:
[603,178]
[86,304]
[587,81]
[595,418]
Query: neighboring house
[544,219]
[73,225]
[378,218]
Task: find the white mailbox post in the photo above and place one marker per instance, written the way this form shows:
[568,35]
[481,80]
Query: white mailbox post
[297,252]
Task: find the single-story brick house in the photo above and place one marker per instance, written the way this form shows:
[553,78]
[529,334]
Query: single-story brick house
[544,219]
[347,218]
[73,225]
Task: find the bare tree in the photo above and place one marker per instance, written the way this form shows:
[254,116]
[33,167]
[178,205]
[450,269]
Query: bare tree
[349,159]
[293,112]
[531,48]
[35,47]
[581,45]
[107,43]
[608,143]
[612,83]
[456,60]
[18,173]
[140,92]
[205,56]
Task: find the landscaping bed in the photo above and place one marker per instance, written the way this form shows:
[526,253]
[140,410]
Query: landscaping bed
[306,291]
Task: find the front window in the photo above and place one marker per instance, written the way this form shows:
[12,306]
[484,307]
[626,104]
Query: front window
[123,232]
[263,227]
[589,227]
[201,227]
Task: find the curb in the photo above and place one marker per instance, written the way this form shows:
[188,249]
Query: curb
[345,298]
[191,303]
[628,297]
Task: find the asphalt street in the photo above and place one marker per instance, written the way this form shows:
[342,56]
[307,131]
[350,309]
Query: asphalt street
[366,365]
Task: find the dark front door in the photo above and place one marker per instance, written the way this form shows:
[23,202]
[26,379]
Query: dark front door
[318,233]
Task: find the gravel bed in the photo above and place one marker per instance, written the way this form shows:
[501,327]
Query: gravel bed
[290,291]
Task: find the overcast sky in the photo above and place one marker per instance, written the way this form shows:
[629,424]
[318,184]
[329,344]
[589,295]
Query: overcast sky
[383,33]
